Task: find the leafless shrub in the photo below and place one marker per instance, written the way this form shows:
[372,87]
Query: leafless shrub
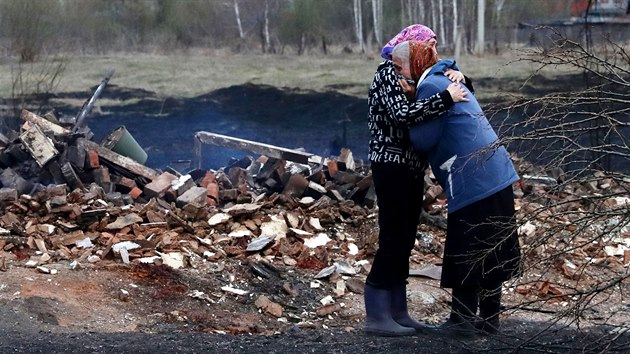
[574,161]
[34,83]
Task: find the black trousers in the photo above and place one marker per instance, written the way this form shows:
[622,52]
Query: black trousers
[399,193]
[482,245]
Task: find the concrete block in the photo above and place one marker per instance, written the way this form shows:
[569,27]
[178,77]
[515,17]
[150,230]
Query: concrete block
[159,185]
[196,196]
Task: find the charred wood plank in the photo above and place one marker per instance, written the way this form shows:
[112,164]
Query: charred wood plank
[121,161]
[250,146]
[79,125]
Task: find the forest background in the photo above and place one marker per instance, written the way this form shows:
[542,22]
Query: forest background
[37,27]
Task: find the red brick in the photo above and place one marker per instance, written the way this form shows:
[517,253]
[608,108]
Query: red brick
[135,192]
[208,179]
[332,167]
[92,159]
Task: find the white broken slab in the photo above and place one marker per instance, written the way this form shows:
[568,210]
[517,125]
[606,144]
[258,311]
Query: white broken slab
[31,263]
[306,201]
[293,219]
[240,233]
[127,245]
[218,219]
[148,260]
[124,221]
[84,243]
[277,227]
[617,250]
[340,267]
[314,222]
[174,260]
[327,300]
[41,245]
[205,241]
[344,267]
[46,270]
[241,209]
[316,241]
[315,284]
[317,187]
[430,271]
[46,228]
[301,233]
[326,272]
[544,180]
[124,254]
[123,248]
[528,229]
[259,243]
[229,289]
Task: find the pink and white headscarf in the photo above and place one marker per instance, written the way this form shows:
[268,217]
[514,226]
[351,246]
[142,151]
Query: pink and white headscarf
[415,32]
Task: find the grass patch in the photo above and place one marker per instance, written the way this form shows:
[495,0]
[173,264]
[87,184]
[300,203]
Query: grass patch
[196,74]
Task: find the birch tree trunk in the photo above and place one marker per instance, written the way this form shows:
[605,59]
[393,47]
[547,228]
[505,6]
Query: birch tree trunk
[238,20]
[421,12]
[377,14]
[406,15]
[441,16]
[455,25]
[481,27]
[412,11]
[358,24]
[497,25]
[266,29]
[434,18]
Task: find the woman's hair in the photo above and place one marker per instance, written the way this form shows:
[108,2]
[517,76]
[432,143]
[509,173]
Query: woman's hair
[401,51]
[417,56]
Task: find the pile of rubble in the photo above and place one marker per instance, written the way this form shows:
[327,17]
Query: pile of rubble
[62,193]
[67,199]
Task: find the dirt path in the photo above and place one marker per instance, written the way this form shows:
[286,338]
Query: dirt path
[114,308]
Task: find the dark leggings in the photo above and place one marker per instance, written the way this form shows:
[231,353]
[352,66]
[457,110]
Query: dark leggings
[468,298]
[399,192]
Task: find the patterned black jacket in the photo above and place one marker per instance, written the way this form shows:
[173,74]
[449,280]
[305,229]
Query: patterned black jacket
[390,115]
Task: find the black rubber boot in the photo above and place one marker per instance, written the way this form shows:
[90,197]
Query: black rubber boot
[489,309]
[378,312]
[461,323]
[400,312]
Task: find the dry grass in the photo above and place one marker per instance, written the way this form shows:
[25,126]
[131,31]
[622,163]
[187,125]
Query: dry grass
[195,74]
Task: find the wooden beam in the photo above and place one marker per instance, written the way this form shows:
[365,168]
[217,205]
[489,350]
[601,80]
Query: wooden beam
[251,146]
[45,124]
[123,161]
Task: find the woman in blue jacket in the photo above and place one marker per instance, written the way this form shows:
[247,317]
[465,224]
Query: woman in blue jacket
[482,249]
